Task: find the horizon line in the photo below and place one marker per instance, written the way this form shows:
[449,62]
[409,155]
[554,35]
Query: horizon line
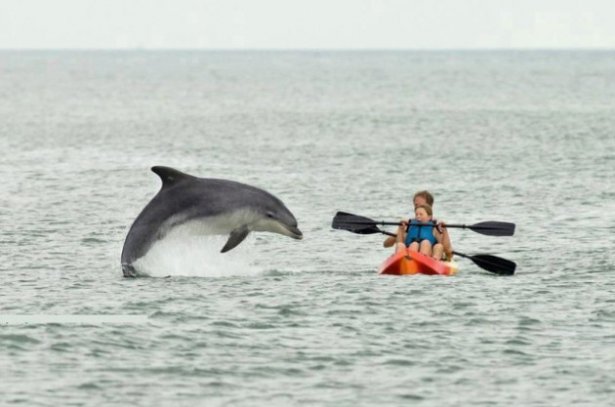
[163,49]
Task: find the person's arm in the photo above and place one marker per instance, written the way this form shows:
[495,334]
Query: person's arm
[400,234]
[443,237]
[389,241]
[401,229]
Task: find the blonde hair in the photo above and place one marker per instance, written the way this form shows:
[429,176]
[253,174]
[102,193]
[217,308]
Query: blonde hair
[427,209]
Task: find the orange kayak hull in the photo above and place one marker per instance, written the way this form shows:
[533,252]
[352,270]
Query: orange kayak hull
[405,262]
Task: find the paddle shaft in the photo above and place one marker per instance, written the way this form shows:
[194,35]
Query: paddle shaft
[348,221]
[380,223]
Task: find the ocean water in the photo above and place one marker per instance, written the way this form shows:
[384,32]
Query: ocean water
[523,137]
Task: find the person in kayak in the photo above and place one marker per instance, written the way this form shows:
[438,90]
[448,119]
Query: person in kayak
[422,235]
[442,245]
[419,198]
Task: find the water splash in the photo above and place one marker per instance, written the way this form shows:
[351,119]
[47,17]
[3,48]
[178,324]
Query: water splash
[197,256]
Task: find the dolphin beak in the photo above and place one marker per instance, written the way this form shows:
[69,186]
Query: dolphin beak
[295,233]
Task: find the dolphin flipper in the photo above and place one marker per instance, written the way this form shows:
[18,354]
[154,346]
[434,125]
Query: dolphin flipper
[236,237]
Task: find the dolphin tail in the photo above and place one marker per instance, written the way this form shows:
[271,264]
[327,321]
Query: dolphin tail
[129,270]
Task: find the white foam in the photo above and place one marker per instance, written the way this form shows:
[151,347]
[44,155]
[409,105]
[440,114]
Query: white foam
[187,254]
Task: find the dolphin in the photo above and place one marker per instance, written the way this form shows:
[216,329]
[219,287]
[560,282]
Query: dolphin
[204,206]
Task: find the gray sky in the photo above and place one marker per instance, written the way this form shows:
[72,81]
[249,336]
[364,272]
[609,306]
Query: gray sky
[307,24]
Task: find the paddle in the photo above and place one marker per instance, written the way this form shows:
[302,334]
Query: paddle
[493,264]
[363,225]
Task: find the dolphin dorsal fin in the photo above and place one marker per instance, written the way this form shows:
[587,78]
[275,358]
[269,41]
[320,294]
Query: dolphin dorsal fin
[169,176]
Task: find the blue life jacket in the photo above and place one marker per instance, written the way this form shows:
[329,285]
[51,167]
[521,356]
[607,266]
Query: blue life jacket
[417,232]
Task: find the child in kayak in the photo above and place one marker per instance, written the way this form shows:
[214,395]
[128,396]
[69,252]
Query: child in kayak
[423,235]
[419,198]
[443,247]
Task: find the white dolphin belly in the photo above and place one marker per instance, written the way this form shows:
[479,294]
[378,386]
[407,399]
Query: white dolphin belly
[210,225]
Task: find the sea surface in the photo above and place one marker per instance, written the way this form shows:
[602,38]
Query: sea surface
[519,136]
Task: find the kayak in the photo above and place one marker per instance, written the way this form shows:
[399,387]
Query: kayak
[407,262]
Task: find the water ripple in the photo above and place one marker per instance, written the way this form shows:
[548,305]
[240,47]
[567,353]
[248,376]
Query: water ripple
[507,136]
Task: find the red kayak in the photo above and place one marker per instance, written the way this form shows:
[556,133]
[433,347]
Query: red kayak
[407,262]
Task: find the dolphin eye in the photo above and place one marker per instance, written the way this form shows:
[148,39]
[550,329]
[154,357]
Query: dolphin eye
[270,215]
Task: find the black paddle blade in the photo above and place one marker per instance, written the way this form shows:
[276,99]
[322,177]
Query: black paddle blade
[354,223]
[492,228]
[365,230]
[494,264]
